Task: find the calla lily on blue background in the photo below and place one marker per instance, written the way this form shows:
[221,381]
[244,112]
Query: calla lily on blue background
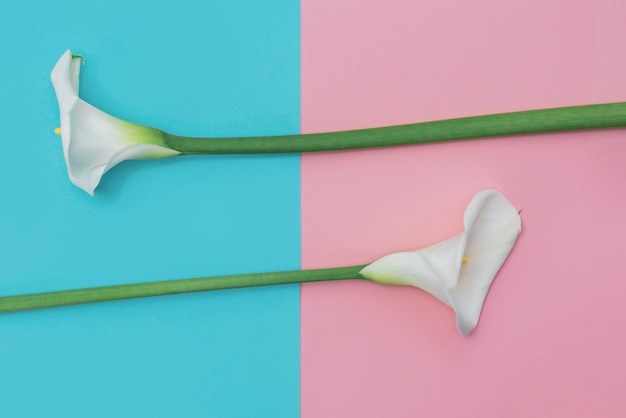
[94,141]
[458,271]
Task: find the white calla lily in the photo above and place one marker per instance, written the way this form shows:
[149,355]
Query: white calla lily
[94,141]
[459,270]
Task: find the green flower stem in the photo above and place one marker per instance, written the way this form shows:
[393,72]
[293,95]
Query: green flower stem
[140,290]
[609,115]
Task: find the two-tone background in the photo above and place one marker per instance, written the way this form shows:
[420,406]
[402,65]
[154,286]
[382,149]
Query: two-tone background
[552,336]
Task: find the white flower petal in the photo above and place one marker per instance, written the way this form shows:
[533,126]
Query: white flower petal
[492,225]
[94,141]
[446,258]
[408,268]
[64,78]
[458,271]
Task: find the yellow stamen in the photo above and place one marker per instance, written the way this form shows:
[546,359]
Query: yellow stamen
[464,260]
[57,131]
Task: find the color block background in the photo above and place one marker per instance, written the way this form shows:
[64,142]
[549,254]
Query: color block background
[552,336]
[551,339]
[214,68]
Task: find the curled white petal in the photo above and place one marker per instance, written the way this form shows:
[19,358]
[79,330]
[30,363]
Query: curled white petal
[458,271]
[94,141]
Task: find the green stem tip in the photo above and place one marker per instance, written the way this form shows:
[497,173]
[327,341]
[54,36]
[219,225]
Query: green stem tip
[169,287]
[82,59]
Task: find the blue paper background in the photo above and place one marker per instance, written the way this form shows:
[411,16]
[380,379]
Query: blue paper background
[189,67]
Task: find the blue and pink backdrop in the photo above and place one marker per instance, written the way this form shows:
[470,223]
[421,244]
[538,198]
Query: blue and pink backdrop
[551,340]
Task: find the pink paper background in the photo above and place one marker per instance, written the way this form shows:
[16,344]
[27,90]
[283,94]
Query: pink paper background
[552,337]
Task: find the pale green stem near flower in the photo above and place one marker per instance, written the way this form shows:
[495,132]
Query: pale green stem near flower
[610,115]
[140,290]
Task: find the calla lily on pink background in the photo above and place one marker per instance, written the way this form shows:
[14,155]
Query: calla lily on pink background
[444,270]
[458,271]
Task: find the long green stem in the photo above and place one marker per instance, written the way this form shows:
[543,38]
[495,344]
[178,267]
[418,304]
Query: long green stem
[609,115]
[140,290]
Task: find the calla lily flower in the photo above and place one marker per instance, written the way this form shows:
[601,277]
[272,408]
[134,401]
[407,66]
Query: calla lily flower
[94,141]
[458,271]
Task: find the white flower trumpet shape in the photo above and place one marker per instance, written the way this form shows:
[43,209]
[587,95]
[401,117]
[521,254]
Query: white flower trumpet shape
[459,270]
[94,141]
